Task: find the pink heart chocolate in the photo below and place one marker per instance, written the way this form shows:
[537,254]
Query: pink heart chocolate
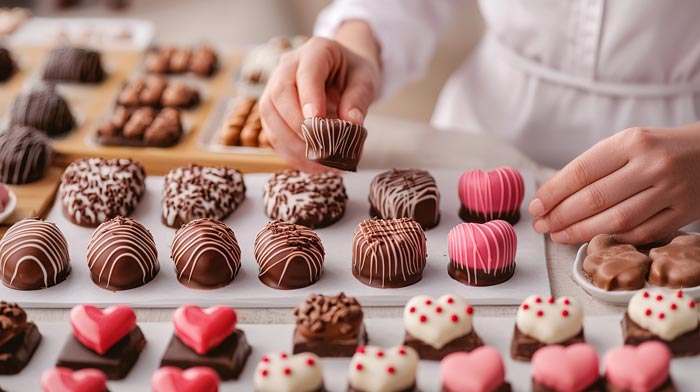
[489,246]
[483,365]
[100,329]
[494,192]
[202,330]
[62,379]
[641,368]
[571,368]
[196,379]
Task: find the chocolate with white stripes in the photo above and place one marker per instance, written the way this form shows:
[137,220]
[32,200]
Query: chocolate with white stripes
[333,142]
[407,193]
[73,64]
[44,109]
[25,154]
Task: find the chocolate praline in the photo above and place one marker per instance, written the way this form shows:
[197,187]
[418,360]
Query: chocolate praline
[72,64]
[409,193]
[614,266]
[333,142]
[206,254]
[677,264]
[19,339]
[44,109]
[25,154]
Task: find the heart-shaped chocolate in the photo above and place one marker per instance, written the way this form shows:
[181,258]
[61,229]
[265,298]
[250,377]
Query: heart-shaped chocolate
[550,320]
[492,193]
[485,367]
[667,314]
[438,321]
[99,329]
[196,379]
[62,379]
[284,372]
[377,369]
[571,368]
[638,368]
[203,329]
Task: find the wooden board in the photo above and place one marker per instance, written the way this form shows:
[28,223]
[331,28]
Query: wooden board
[34,199]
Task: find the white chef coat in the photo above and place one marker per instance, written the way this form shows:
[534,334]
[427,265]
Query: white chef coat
[551,77]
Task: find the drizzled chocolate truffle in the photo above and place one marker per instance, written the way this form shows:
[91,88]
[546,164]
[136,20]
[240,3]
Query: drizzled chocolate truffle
[311,200]
[44,109]
[206,254]
[193,191]
[122,255]
[333,142]
[290,256]
[25,154]
[76,65]
[388,253]
[33,255]
[329,326]
[409,193]
[7,65]
[94,190]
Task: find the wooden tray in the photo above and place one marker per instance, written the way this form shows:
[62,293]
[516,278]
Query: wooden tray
[35,199]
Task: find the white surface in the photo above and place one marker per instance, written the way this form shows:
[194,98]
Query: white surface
[10,206]
[246,291]
[621,297]
[601,332]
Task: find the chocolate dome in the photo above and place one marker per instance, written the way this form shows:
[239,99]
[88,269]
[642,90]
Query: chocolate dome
[71,64]
[43,109]
[25,154]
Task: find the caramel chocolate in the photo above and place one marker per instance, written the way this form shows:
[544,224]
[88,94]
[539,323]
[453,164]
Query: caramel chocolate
[676,265]
[613,266]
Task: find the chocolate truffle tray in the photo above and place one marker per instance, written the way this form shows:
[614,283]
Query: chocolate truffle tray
[247,291]
[603,333]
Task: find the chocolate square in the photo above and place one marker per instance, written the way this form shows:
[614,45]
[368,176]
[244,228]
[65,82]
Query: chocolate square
[523,346]
[505,387]
[686,345]
[115,363]
[425,351]
[227,359]
[18,351]
[667,386]
[412,388]
[330,348]
[597,386]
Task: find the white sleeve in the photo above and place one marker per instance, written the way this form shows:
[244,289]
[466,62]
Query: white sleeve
[407,31]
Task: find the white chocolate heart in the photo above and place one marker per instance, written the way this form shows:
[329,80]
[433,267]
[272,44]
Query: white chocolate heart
[438,321]
[282,372]
[383,370]
[548,320]
[665,313]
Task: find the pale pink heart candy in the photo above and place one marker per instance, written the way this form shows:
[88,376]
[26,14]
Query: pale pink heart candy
[566,369]
[638,369]
[478,371]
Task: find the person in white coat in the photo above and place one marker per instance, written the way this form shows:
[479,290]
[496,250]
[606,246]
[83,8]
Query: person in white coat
[608,89]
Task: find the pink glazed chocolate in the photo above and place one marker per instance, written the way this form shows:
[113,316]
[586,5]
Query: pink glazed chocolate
[492,195]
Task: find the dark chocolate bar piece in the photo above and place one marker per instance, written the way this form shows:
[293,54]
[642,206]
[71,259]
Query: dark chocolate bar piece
[505,387]
[425,351]
[523,346]
[667,386]
[409,389]
[331,348]
[17,352]
[686,345]
[597,386]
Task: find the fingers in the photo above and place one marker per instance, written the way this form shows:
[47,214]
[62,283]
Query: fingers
[658,227]
[357,97]
[620,218]
[282,92]
[320,60]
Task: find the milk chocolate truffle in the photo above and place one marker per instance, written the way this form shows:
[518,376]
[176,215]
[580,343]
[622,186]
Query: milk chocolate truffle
[311,200]
[75,65]
[19,339]
[25,154]
[44,109]
[206,254]
[193,191]
[7,65]
[676,265]
[613,266]
[290,256]
[333,142]
[33,255]
[122,255]
[407,193]
[388,253]
[94,190]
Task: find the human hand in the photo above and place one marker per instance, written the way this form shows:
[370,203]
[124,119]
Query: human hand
[321,78]
[640,185]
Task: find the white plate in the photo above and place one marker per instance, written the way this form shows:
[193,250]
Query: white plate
[10,207]
[601,332]
[621,297]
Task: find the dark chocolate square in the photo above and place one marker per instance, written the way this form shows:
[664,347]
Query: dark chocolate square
[425,351]
[227,359]
[523,346]
[686,345]
[667,386]
[115,363]
[597,386]
[505,387]
[18,351]
[330,348]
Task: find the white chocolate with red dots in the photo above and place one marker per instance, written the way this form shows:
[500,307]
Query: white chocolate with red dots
[437,322]
[282,372]
[667,314]
[550,320]
[376,369]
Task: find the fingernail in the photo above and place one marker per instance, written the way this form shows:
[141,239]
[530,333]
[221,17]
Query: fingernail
[536,208]
[309,110]
[356,116]
[560,236]
[541,226]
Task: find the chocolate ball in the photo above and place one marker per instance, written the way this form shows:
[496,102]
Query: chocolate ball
[25,154]
[44,109]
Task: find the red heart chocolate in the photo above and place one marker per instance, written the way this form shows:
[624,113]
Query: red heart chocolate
[100,329]
[196,379]
[202,330]
[62,379]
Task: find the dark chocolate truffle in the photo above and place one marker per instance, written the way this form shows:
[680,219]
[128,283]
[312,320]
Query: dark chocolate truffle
[388,253]
[290,256]
[333,142]
[19,339]
[192,192]
[44,109]
[311,200]
[33,255]
[407,193]
[122,255]
[206,254]
[7,65]
[94,190]
[76,65]
[25,154]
